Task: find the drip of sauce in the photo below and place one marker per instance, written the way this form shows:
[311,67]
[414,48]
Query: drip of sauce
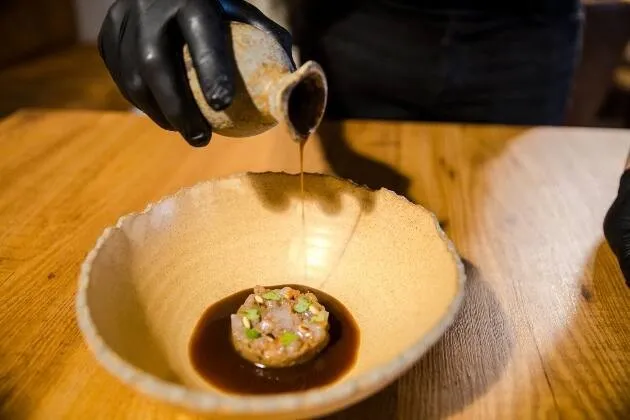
[304,108]
[211,351]
[302,144]
[213,356]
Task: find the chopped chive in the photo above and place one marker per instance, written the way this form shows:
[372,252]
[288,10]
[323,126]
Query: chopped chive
[302,305]
[252,333]
[272,295]
[252,314]
[288,338]
[321,317]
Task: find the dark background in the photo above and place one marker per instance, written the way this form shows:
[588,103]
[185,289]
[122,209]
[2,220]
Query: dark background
[43,64]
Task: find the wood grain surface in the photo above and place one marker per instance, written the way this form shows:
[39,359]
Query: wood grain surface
[544,331]
[73,78]
[32,27]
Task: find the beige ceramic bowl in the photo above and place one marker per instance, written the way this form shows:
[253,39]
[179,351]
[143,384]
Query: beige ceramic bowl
[146,283]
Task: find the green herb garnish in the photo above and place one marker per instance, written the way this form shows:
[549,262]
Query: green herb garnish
[302,305]
[272,295]
[252,333]
[288,338]
[252,314]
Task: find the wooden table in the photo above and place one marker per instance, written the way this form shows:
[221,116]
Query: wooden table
[544,331]
[71,78]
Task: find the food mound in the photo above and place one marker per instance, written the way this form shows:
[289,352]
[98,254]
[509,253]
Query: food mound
[279,327]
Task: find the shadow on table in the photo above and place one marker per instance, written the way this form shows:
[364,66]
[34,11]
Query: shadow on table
[459,368]
[346,163]
[12,406]
[488,144]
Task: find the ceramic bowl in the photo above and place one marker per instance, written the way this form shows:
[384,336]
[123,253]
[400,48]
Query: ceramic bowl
[146,283]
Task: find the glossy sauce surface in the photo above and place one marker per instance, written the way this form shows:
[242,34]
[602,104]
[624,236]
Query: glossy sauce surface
[215,359]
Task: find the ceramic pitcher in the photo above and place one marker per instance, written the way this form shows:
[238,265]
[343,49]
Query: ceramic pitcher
[267,90]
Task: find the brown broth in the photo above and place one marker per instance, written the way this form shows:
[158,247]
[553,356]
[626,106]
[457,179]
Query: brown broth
[215,359]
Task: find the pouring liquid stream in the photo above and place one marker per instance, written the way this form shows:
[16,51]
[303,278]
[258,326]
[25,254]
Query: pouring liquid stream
[302,144]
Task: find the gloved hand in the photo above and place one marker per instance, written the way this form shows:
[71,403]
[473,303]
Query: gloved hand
[617,225]
[141,44]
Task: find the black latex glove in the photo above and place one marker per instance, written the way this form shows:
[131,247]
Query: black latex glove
[141,43]
[617,226]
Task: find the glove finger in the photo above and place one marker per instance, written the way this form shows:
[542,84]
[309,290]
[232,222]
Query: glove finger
[111,34]
[613,222]
[162,68]
[617,226]
[136,88]
[208,39]
[117,44]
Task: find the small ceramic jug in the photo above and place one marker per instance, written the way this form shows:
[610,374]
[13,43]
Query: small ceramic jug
[267,91]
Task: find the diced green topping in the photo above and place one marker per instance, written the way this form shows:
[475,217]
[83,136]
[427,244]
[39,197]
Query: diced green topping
[252,333]
[252,314]
[288,338]
[321,317]
[272,295]
[302,305]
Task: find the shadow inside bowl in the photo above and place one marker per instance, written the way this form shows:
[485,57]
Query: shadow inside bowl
[347,163]
[322,190]
[136,343]
[446,379]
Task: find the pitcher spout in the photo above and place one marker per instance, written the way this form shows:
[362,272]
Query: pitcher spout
[300,100]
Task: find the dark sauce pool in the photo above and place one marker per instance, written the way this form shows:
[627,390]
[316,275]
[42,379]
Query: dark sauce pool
[215,359]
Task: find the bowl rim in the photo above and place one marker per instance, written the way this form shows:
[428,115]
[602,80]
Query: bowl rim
[209,402]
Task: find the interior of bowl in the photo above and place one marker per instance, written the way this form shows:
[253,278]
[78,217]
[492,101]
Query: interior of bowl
[149,279]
